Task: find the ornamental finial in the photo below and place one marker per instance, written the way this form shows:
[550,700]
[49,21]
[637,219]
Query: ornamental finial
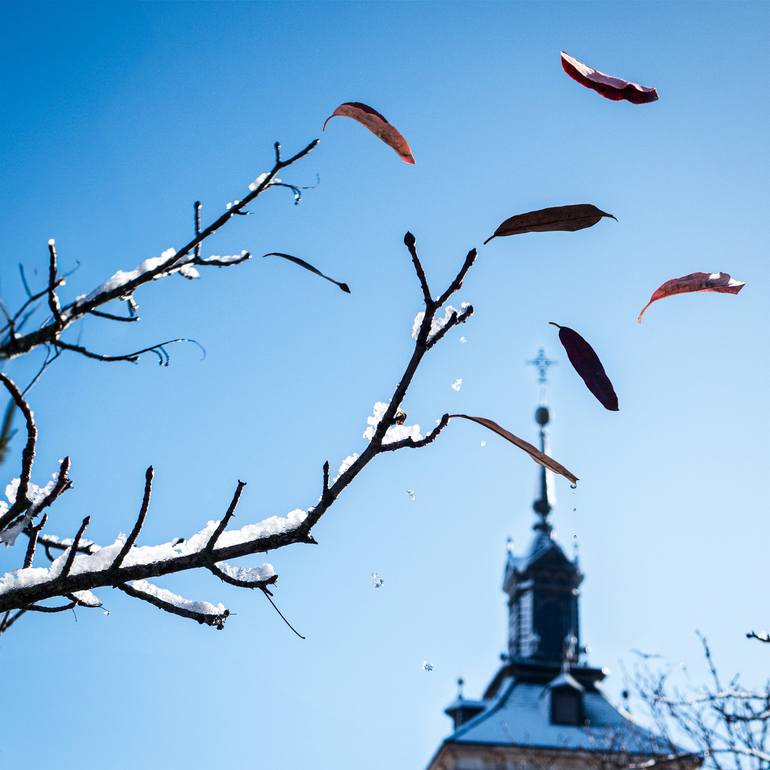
[541,362]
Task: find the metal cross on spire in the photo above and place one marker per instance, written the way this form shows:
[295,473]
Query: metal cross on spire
[542,363]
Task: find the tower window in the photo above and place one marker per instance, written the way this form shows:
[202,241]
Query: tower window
[566,707]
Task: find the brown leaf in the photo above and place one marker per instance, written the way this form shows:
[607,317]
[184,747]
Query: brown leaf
[532,451]
[565,218]
[377,124]
[608,86]
[587,364]
[719,282]
[307,266]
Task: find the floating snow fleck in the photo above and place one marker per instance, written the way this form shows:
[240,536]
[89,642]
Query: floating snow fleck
[122,277]
[189,272]
[411,494]
[376,580]
[457,384]
[345,464]
[247,574]
[483,443]
[463,340]
[427,666]
[394,432]
[164,595]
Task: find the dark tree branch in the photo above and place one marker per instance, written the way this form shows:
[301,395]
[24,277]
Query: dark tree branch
[9,619]
[212,553]
[59,608]
[454,320]
[34,532]
[282,616]
[410,443]
[158,349]
[131,539]
[21,503]
[113,317]
[72,553]
[410,243]
[457,283]
[53,300]
[215,620]
[49,332]
[220,528]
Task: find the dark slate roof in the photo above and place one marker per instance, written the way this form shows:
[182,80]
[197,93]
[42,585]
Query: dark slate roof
[520,716]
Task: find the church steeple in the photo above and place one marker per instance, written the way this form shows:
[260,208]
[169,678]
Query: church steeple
[542,585]
[544,706]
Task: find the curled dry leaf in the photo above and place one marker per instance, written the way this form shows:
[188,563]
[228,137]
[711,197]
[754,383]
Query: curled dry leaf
[608,86]
[532,451]
[377,124]
[565,218]
[719,282]
[307,266]
[587,364]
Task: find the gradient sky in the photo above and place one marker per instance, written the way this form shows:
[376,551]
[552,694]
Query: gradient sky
[116,117]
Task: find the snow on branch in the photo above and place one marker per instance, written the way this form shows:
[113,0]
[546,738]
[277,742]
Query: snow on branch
[84,566]
[122,284]
[209,614]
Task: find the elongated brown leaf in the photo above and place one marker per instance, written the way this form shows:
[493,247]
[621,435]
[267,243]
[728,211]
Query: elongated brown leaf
[587,364]
[565,218]
[307,266]
[608,86]
[719,282]
[532,451]
[377,124]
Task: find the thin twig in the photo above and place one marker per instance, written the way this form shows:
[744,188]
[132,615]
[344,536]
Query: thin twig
[27,456]
[139,523]
[53,300]
[74,549]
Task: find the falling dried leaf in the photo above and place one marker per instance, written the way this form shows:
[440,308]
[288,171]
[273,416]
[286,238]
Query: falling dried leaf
[307,266]
[608,86]
[565,218]
[532,451]
[587,364]
[719,282]
[377,124]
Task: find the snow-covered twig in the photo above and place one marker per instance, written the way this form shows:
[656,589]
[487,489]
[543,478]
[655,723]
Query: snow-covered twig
[123,284]
[124,565]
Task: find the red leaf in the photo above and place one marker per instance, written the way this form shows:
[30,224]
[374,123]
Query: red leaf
[719,282]
[377,124]
[587,364]
[532,451]
[606,85]
[565,218]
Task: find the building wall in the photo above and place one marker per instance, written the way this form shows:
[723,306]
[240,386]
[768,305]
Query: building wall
[458,757]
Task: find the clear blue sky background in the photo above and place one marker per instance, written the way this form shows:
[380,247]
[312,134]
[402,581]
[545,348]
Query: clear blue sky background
[116,117]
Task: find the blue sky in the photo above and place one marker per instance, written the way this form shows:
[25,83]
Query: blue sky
[116,117]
